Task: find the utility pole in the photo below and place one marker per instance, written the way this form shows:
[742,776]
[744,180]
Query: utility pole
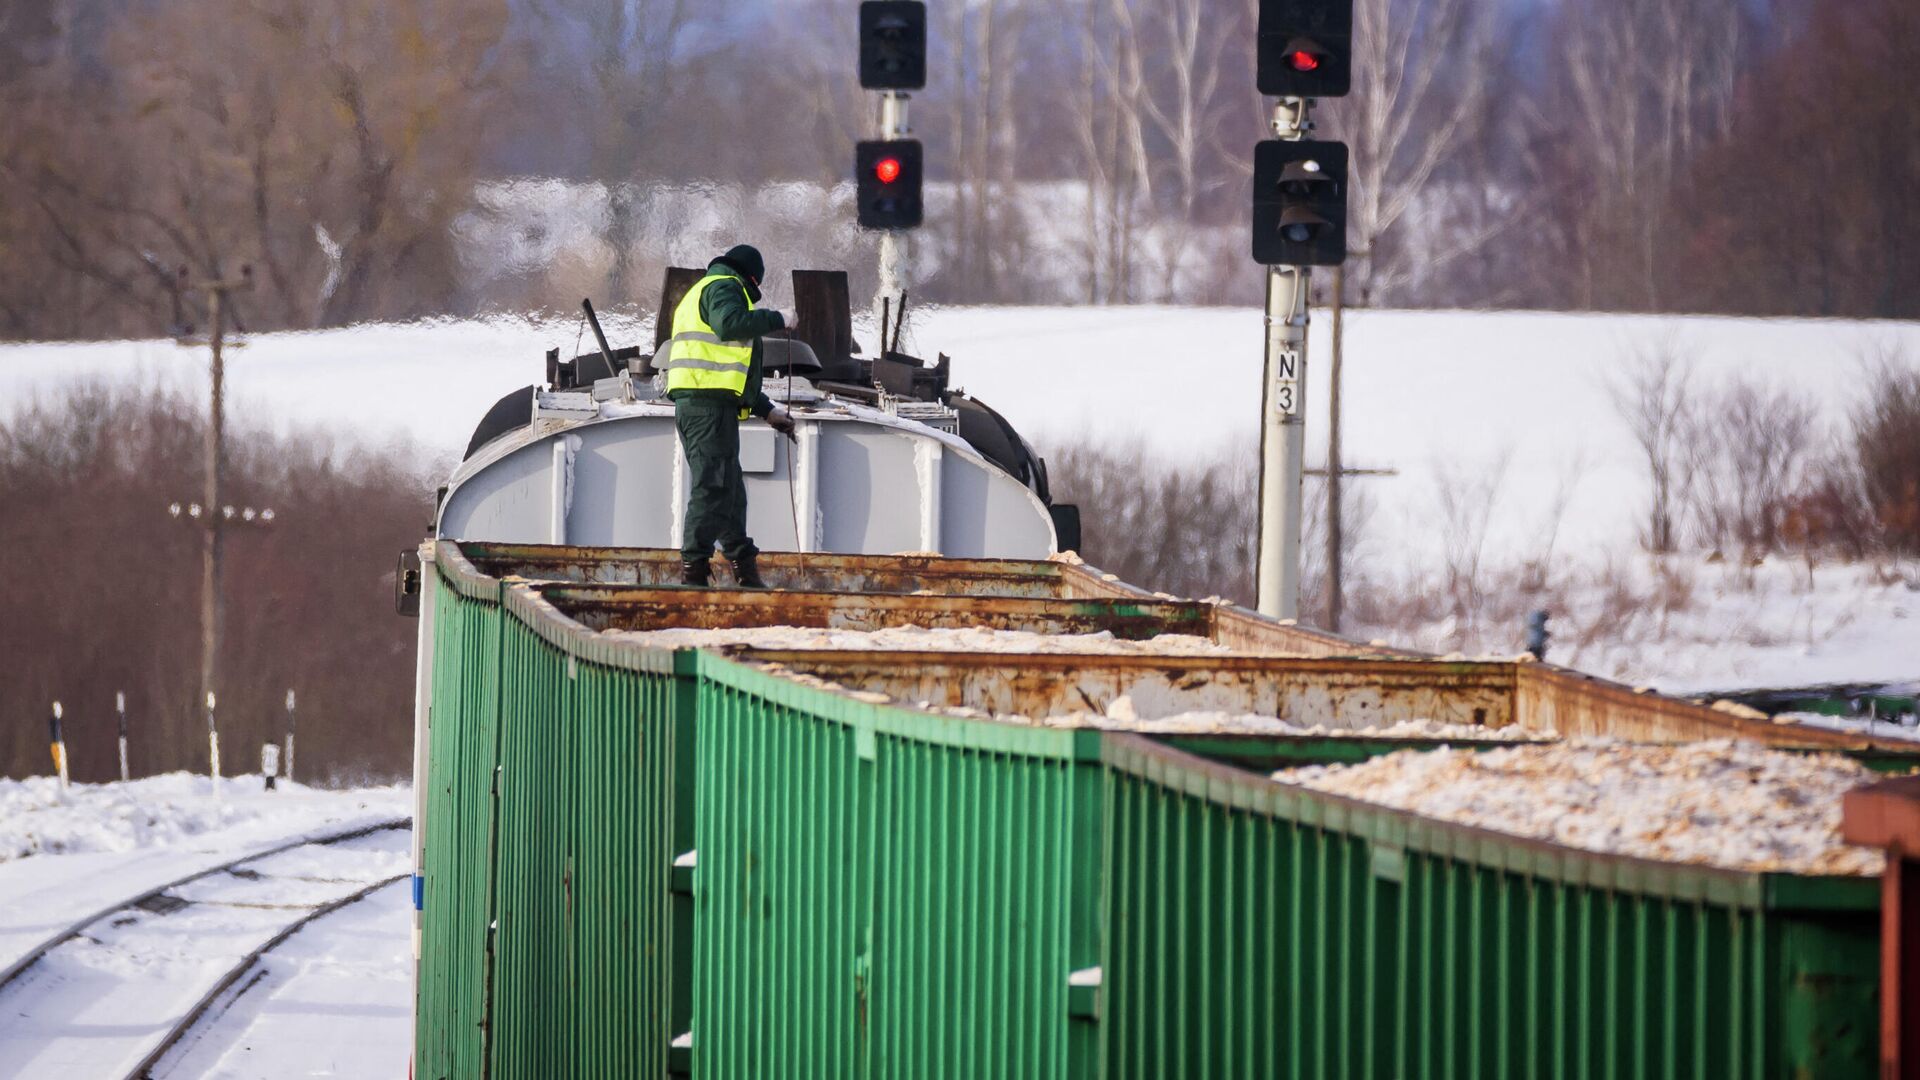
[1336,473]
[212,542]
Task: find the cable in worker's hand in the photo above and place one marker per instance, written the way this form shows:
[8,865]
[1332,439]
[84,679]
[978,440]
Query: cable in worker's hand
[781,420]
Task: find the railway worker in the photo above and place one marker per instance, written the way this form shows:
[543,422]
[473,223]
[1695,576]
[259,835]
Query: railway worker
[713,379]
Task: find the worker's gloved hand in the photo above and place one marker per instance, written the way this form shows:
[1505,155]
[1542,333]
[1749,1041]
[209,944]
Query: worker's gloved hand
[789,318]
[781,421]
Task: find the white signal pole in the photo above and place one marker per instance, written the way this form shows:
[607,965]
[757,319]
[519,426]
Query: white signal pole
[893,125]
[1283,429]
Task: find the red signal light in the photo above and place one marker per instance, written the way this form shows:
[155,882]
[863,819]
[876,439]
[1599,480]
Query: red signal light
[887,169]
[1303,61]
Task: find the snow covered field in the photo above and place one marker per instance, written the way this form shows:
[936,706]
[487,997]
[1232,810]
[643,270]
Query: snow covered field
[1442,397]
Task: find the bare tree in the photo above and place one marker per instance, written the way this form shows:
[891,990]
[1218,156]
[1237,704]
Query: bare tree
[1417,101]
[1465,497]
[1886,444]
[1652,394]
[1748,446]
[1647,83]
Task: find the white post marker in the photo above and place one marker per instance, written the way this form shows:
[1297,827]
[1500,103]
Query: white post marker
[59,744]
[213,746]
[289,736]
[269,763]
[120,707]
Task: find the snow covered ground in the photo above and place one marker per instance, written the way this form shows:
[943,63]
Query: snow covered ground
[1513,401]
[63,856]
[336,1001]
[1689,626]
[91,1007]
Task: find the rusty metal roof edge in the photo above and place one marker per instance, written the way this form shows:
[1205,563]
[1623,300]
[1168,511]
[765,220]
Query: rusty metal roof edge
[1224,785]
[1498,672]
[484,550]
[613,594]
[556,628]
[464,577]
[1735,727]
[1093,579]
[892,718]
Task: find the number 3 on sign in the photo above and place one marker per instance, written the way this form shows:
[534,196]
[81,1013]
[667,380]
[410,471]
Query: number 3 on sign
[1286,398]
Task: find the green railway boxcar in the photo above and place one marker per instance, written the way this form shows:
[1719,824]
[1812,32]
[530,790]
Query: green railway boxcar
[638,861]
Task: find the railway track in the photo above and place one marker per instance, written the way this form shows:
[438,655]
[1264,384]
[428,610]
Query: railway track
[115,992]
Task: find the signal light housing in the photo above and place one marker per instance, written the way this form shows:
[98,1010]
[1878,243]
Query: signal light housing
[1305,48]
[893,44]
[887,175]
[1300,203]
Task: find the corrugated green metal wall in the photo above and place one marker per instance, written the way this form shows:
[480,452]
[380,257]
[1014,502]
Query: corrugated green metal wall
[548,917]
[458,886]
[1303,936]
[884,893]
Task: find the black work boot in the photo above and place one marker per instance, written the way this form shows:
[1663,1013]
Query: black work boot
[746,574]
[696,572]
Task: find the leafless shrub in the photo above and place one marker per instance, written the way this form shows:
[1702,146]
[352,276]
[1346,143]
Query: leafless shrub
[1186,529]
[1747,448]
[1465,498]
[1190,529]
[1652,394]
[1536,571]
[1886,445]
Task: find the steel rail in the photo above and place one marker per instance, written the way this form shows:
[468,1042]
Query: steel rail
[193,1016]
[72,930]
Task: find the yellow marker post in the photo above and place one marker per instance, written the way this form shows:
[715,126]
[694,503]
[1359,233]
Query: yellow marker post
[213,746]
[59,745]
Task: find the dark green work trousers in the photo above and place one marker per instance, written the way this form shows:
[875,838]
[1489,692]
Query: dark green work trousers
[717,504]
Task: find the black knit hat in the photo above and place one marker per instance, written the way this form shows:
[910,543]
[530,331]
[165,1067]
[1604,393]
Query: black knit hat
[746,259]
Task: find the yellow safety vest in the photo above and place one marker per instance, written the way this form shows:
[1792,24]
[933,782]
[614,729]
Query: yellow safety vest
[696,357]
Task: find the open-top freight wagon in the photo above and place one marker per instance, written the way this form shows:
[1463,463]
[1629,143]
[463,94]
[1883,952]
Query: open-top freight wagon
[917,815]
[766,862]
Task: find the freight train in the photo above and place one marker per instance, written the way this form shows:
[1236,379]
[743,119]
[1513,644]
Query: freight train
[952,824]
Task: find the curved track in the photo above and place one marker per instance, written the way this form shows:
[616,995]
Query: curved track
[194,1015]
[73,929]
[255,897]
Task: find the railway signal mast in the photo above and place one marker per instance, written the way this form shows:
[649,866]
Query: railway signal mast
[1304,52]
[887,168]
